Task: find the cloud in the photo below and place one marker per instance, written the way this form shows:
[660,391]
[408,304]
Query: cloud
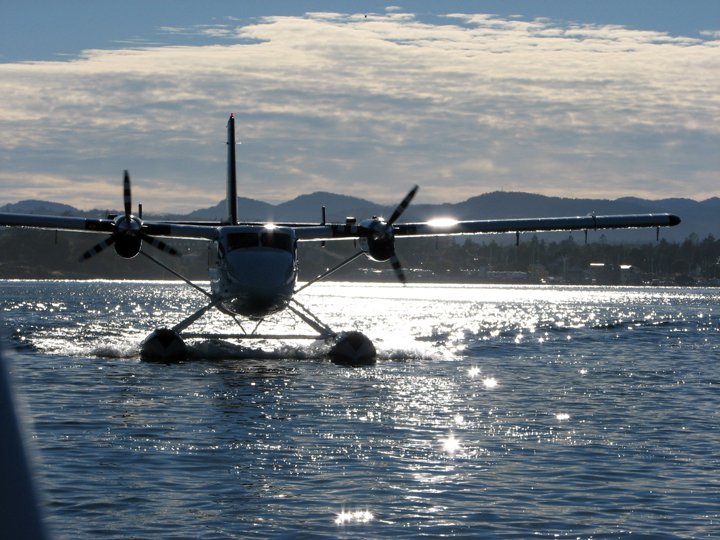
[368,104]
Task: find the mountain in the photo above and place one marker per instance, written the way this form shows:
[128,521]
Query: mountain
[33,206]
[505,204]
[337,207]
[249,209]
[699,217]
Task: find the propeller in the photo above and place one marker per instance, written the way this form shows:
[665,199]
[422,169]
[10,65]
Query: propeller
[403,205]
[127,195]
[97,248]
[379,236]
[127,234]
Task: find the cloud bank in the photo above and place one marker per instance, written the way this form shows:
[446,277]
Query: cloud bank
[368,105]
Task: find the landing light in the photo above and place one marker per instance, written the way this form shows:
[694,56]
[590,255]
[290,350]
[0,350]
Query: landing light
[270,226]
[442,223]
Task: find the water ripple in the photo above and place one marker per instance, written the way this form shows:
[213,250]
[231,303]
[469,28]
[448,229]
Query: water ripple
[493,411]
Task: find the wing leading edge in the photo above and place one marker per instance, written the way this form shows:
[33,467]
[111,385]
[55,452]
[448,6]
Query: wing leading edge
[446,227]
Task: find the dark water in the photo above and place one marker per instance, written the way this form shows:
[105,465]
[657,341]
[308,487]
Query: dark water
[523,412]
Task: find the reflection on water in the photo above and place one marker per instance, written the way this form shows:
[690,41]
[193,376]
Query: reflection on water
[493,411]
[438,322]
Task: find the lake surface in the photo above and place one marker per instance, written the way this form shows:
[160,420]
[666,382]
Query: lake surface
[493,412]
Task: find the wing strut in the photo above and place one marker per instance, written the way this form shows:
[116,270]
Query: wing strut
[331,271]
[177,274]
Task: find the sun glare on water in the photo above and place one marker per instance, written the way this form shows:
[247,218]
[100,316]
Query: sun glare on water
[347,518]
[490,382]
[451,444]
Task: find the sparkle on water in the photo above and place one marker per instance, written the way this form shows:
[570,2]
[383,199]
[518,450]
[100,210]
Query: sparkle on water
[359,516]
[490,382]
[451,444]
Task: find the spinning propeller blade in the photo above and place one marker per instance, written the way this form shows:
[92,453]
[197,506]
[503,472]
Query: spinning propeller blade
[399,272]
[159,244]
[97,248]
[390,236]
[403,205]
[127,197]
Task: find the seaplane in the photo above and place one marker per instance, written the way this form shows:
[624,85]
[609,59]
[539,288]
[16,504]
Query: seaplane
[254,269]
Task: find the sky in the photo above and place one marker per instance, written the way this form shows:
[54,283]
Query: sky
[565,98]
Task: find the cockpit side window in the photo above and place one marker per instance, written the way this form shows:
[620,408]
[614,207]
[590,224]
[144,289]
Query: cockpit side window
[276,240]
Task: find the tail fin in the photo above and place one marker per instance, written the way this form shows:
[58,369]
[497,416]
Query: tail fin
[231,196]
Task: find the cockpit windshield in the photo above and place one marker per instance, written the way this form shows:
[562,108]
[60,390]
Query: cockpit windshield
[272,239]
[242,240]
[277,240]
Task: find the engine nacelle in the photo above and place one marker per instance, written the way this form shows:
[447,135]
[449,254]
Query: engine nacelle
[127,236]
[128,246]
[378,240]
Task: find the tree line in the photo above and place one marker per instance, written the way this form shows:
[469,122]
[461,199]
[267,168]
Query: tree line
[28,253]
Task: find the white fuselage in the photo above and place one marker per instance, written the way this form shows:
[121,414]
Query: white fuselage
[253,269]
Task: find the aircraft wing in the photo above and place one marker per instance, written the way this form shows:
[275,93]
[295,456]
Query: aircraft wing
[577,223]
[445,227]
[80,224]
[56,222]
